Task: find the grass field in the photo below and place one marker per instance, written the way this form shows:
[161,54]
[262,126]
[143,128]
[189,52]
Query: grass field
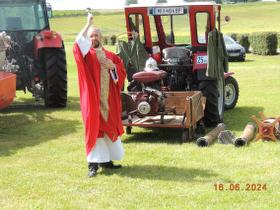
[72,25]
[42,155]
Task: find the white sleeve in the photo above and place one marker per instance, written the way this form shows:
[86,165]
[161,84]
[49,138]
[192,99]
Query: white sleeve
[84,44]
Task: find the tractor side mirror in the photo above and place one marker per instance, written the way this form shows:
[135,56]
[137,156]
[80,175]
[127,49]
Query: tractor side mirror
[227,19]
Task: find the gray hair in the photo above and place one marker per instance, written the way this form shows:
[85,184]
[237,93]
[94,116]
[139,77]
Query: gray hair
[94,29]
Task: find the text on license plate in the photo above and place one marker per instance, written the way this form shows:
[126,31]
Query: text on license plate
[202,59]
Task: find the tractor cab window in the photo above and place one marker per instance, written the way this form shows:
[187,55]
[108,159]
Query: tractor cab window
[217,19]
[176,29]
[154,33]
[17,16]
[202,27]
[136,26]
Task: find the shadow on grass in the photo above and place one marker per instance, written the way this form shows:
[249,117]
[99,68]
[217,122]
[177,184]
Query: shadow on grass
[239,61]
[168,173]
[31,131]
[27,124]
[249,60]
[155,135]
[29,104]
[237,118]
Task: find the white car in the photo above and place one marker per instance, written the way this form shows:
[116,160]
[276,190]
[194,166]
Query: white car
[235,51]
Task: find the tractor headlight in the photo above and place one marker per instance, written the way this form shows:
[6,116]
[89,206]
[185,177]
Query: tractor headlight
[242,50]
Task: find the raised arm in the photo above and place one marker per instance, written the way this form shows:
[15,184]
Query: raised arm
[82,39]
[84,31]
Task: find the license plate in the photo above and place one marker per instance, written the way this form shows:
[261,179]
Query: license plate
[202,59]
[167,11]
[234,54]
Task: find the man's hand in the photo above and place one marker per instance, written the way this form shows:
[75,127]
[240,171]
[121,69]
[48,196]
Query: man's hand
[89,19]
[107,64]
[84,31]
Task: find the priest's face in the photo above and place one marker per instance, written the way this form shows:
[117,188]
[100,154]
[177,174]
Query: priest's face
[95,37]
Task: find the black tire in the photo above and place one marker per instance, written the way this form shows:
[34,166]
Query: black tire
[55,84]
[242,59]
[186,135]
[213,90]
[231,92]
[128,130]
[200,128]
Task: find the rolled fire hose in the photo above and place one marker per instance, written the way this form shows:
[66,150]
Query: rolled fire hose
[209,138]
[247,136]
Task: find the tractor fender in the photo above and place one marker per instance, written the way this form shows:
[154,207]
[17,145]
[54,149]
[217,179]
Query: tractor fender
[47,39]
[228,74]
[201,75]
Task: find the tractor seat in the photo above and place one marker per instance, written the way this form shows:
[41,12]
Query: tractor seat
[149,76]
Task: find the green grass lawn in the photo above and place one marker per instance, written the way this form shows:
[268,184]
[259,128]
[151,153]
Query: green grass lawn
[246,18]
[72,25]
[43,162]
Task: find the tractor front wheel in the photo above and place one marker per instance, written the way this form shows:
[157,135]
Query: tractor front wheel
[55,84]
[231,92]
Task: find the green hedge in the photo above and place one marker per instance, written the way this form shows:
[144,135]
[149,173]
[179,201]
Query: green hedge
[105,40]
[264,43]
[112,40]
[242,39]
[233,35]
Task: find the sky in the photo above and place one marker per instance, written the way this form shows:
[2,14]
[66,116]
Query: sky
[95,4]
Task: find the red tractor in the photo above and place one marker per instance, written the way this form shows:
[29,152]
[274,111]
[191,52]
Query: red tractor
[176,37]
[36,54]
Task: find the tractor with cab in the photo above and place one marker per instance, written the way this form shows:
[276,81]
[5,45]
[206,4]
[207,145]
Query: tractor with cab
[35,53]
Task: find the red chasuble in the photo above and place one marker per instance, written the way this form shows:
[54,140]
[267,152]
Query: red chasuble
[89,83]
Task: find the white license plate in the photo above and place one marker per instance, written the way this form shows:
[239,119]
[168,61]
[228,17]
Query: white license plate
[234,54]
[167,11]
[202,59]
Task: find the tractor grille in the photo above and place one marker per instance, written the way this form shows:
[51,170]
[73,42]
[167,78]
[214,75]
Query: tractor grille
[233,51]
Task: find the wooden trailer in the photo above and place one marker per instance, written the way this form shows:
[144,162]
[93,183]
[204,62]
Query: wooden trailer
[188,111]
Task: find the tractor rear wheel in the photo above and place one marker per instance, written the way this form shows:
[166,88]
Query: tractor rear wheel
[213,90]
[55,84]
